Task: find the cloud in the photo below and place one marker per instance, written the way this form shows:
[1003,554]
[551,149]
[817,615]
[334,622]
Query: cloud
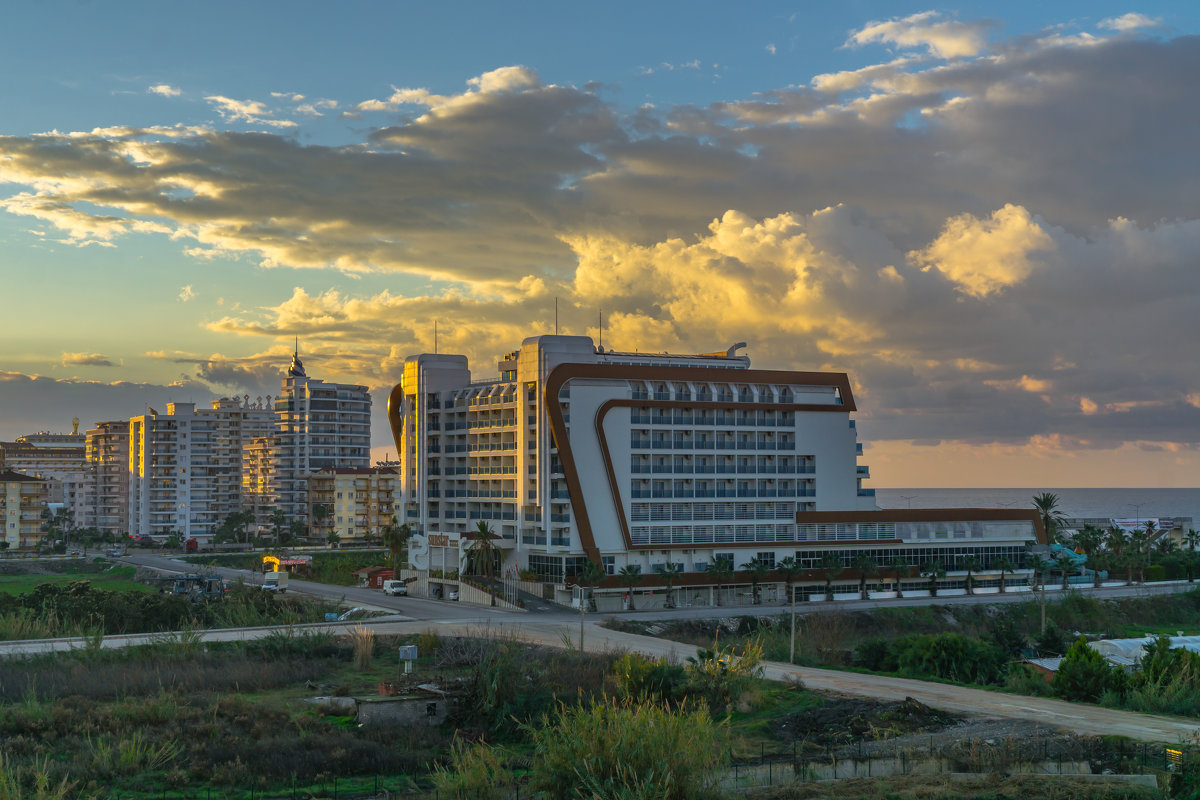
[35,402]
[250,111]
[186,293]
[991,245]
[1130,22]
[164,89]
[86,360]
[770,48]
[945,38]
[986,256]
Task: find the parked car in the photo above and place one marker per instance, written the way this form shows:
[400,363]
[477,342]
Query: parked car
[144,541]
[452,594]
[114,552]
[395,588]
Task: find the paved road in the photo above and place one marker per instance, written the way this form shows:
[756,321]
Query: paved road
[409,607]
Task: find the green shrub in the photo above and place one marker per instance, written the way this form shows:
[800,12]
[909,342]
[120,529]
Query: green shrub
[1084,674]
[951,656]
[876,654]
[637,677]
[1156,572]
[1024,679]
[721,675]
[1051,641]
[615,749]
[476,772]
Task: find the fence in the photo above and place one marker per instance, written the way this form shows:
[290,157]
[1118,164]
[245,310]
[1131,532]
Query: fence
[1049,756]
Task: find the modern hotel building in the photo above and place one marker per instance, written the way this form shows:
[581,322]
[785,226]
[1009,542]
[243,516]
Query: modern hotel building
[577,453]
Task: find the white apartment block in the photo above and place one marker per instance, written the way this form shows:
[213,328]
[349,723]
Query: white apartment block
[318,425]
[575,453]
[185,466]
[22,501]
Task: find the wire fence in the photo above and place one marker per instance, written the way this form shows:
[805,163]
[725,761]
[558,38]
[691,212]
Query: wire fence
[781,766]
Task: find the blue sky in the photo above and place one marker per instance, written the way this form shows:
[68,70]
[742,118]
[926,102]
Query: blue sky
[949,203]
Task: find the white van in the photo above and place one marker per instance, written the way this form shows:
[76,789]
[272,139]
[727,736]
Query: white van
[395,588]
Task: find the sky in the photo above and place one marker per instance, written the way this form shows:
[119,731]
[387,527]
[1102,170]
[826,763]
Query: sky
[987,214]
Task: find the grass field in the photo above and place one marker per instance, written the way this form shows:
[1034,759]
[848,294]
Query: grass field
[118,578]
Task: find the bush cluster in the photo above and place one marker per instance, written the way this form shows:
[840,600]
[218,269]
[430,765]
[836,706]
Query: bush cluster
[949,656]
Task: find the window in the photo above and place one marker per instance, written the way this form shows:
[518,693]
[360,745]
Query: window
[610,564]
[726,556]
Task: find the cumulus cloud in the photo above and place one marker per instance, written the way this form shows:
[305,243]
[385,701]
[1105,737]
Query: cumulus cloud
[164,89]
[945,38]
[993,245]
[985,256]
[86,360]
[186,293]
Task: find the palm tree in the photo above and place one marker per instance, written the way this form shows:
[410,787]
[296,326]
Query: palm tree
[933,570]
[757,569]
[1097,561]
[789,569]
[722,572]
[1046,504]
[395,539]
[1005,565]
[278,524]
[631,575]
[1064,563]
[484,554]
[831,564]
[1040,567]
[865,565]
[589,575]
[1138,542]
[1192,538]
[971,565]
[671,573]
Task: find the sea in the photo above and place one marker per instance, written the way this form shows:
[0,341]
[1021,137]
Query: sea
[1107,503]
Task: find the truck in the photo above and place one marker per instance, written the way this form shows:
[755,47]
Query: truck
[275,582]
[395,588]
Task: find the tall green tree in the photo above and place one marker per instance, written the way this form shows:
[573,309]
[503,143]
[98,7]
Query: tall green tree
[866,566]
[1046,504]
[971,565]
[831,564]
[395,539]
[671,573]
[1005,565]
[722,572]
[484,556]
[757,570]
[789,569]
[631,576]
[934,571]
[589,577]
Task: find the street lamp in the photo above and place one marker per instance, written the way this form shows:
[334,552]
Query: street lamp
[1137,508]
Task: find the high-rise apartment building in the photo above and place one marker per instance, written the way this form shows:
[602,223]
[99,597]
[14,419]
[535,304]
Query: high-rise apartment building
[185,466]
[22,501]
[356,503]
[575,453]
[107,450]
[318,425]
[45,455]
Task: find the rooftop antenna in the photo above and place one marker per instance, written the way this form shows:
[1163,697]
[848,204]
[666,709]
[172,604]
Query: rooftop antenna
[601,325]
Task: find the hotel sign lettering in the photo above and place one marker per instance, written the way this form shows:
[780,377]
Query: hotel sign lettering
[441,540]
